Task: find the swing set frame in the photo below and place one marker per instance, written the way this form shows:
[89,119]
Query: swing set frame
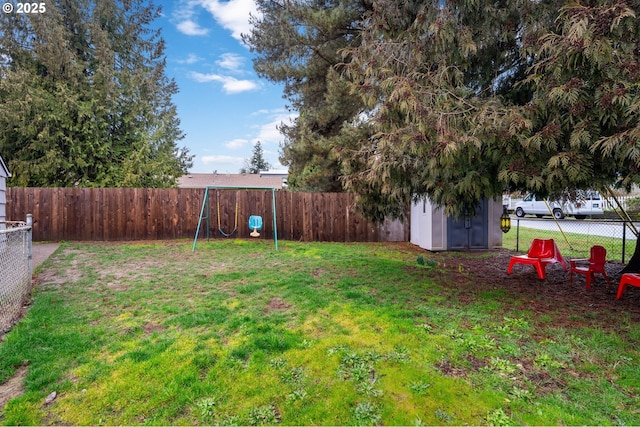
[205,207]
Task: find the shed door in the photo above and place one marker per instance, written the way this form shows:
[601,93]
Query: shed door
[470,232]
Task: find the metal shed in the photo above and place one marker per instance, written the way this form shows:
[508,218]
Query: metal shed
[431,229]
[4,174]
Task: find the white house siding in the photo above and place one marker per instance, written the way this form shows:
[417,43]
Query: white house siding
[4,174]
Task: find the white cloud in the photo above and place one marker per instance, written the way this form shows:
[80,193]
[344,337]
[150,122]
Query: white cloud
[232,14]
[230,84]
[236,144]
[223,159]
[191,28]
[266,133]
[230,61]
[233,85]
[192,58]
[269,133]
[204,78]
[221,163]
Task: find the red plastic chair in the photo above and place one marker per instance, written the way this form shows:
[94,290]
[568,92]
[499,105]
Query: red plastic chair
[589,266]
[632,279]
[541,253]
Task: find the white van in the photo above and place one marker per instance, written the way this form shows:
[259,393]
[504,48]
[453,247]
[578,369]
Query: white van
[586,203]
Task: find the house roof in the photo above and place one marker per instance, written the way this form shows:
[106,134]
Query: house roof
[201,180]
[4,170]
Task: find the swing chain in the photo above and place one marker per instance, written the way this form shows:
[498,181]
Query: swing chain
[235,226]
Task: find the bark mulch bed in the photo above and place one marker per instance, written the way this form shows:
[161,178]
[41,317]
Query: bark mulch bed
[476,272]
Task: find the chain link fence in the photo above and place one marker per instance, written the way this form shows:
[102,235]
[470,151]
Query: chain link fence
[575,237]
[15,270]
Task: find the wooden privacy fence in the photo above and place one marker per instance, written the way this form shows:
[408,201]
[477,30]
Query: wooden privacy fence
[109,214]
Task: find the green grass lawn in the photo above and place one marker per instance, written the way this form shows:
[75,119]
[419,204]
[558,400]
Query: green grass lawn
[236,333]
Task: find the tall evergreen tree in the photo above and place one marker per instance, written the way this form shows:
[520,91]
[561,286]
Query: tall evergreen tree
[298,43]
[84,99]
[256,163]
[582,127]
[441,82]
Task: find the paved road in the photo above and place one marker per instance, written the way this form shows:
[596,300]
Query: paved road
[589,227]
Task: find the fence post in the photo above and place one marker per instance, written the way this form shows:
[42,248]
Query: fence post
[624,239]
[29,249]
[518,235]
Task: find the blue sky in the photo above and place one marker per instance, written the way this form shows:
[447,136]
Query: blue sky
[224,108]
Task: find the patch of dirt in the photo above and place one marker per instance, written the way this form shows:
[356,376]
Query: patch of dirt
[478,275]
[448,369]
[276,304]
[151,327]
[13,387]
[48,277]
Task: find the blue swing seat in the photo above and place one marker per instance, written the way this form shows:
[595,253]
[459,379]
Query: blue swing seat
[255,222]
